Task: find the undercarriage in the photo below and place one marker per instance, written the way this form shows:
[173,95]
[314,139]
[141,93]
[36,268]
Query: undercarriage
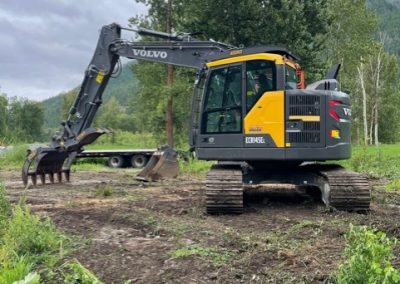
[337,187]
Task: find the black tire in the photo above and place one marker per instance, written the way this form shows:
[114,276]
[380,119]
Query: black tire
[139,161]
[115,162]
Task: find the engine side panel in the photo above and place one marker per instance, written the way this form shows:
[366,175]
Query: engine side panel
[267,117]
[314,126]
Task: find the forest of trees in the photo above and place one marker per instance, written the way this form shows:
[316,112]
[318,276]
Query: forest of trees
[21,120]
[361,35]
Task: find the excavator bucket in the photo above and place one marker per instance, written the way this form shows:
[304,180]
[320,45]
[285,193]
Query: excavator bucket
[47,161]
[43,161]
[163,164]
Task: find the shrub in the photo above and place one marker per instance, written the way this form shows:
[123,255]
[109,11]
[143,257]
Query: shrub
[368,255]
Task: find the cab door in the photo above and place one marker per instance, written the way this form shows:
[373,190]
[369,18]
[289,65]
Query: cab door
[222,112]
[265,106]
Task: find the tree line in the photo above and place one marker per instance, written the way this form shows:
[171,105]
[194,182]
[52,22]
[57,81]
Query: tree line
[21,120]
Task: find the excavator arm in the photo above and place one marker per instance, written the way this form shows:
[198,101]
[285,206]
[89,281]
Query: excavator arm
[76,132]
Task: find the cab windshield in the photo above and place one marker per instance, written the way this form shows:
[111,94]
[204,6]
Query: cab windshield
[291,78]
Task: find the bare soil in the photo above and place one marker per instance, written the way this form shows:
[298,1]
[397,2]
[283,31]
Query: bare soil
[125,230]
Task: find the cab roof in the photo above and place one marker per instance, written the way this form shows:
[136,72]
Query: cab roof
[254,50]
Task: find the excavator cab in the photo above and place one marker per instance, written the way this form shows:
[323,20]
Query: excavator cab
[253,107]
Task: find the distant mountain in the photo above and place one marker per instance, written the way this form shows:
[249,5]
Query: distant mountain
[123,88]
[389,22]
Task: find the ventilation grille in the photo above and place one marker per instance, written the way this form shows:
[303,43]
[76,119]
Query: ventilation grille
[304,110]
[311,126]
[304,137]
[304,100]
[309,134]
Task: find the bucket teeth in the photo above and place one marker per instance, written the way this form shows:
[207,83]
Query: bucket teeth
[51,177]
[34,179]
[67,175]
[59,177]
[43,178]
[49,162]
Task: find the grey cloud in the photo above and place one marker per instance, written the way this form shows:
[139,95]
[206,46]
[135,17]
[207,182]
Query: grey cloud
[47,44]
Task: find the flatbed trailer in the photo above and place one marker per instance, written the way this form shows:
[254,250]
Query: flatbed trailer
[136,158]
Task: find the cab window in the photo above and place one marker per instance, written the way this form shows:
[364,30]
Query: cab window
[260,78]
[223,104]
[291,78]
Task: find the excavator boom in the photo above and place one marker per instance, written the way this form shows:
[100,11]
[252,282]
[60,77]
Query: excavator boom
[76,132]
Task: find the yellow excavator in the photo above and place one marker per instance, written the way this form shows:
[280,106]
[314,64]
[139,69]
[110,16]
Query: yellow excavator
[251,112]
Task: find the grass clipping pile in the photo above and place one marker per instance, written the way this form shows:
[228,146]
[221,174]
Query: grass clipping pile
[125,231]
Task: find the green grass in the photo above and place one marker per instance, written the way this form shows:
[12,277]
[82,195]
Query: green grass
[217,256]
[79,274]
[195,166]
[13,158]
[377,162]
[385,149]
[82,165]
[393,185]
[124,140]
[29,243]
[31,247]
[104,191]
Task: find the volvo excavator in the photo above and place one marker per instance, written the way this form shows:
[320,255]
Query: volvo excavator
[251,112]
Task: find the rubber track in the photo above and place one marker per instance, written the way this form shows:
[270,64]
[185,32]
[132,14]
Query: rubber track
[224,190]
[349,191]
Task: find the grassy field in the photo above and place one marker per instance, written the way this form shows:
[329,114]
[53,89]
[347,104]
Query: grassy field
[124,140]
[377,162]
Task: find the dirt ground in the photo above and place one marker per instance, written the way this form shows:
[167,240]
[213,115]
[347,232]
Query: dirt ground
[125,230]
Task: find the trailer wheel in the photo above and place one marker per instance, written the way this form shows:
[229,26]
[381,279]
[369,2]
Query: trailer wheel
[139,161]
[115,162]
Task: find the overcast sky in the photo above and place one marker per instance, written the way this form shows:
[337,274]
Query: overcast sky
[45,45]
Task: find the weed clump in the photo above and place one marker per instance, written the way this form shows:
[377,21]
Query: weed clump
[27,234]
[5,207]
[394,185]
[368,255]
[217,257]
[27,242]
[104,191]
[80,274]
